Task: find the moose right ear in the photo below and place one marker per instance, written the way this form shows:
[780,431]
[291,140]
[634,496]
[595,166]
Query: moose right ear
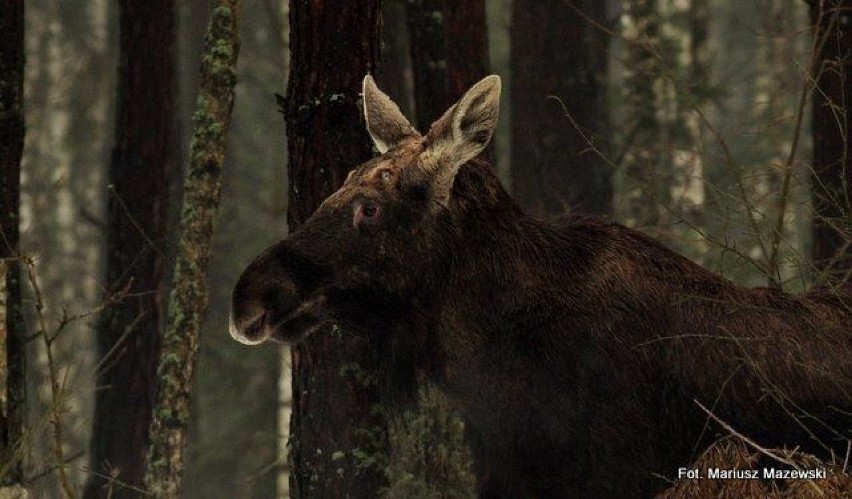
[385,122]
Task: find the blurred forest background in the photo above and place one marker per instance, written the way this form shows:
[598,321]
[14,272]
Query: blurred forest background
[693,120]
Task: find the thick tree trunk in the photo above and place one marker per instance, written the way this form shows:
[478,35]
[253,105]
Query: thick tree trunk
[12,333]
[557,51]
[338,436]
[449,53]
[188,297]
[832,136]
[129,332]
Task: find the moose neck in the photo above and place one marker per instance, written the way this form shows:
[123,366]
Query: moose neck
[499,263]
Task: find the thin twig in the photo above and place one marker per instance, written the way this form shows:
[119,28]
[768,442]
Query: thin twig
[49,469]
[773,271]
[756,446]
[744,438]
[55,388]
[113,483]
[119,343]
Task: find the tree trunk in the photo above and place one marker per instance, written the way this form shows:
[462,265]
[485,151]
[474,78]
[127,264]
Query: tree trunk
[680,98]
[647,194]
[12,332]
[248,221]
[448,50]
[557,51]
[280,193]
[129,332]
[449,53]
[832,106]
[338,436]
[188,297]
[690,182]
[395,73]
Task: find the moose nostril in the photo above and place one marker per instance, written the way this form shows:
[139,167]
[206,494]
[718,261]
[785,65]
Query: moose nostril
[249,332]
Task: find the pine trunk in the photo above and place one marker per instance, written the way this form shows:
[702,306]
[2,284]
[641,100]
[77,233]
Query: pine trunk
[129,332]
[449,53]
[12,332]
[338,436]
[832,106]
[557,51]
[188,297]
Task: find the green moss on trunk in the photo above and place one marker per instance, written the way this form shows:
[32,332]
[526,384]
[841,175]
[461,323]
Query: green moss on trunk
[188,298]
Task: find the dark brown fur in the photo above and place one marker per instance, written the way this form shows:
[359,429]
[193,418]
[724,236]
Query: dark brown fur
[575,352]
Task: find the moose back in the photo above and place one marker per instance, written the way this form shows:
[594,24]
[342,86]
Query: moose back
[576,353]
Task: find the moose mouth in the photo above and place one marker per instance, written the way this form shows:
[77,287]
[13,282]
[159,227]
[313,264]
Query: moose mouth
[293,327]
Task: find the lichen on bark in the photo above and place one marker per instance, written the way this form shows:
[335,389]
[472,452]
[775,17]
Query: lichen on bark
[188,298]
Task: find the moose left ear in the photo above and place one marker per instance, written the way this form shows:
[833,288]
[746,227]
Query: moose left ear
[386,124]
[466,128]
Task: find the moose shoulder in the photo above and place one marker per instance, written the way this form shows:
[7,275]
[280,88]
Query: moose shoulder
[575,352]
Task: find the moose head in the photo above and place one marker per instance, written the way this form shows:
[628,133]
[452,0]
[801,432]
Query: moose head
[379,241]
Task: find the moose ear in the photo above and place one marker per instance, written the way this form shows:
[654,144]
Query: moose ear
[466,128]
[385,122]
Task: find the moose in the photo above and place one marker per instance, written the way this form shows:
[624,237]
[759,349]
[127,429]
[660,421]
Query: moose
[585,357]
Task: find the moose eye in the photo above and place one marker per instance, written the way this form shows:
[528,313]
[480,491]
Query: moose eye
[366,213]
[385,175]
[370,210]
